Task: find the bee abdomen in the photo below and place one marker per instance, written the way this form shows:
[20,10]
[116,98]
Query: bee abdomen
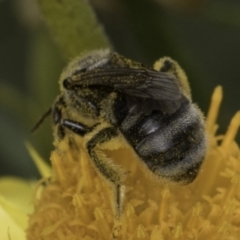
[171,146]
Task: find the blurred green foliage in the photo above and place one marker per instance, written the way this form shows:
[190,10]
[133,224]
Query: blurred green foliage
[202,36]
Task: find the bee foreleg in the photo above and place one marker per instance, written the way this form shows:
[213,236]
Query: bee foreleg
[105,166]
[76,127]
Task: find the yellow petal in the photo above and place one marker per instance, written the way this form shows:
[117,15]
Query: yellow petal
[42,166]
[9,229]
[17,191]
[15,198]
[18,216]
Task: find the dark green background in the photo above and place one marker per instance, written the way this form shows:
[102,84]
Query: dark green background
[204,37]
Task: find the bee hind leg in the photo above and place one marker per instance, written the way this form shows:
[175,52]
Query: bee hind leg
[105,166]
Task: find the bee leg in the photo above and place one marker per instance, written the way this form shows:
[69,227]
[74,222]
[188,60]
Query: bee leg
[111,172]
[76,127]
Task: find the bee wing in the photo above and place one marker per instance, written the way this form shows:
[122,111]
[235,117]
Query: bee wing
[146,90]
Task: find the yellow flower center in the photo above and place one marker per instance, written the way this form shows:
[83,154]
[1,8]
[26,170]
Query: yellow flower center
[76,203]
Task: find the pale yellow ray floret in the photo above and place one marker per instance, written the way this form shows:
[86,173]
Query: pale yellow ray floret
[15,196]
[77,202]
[15,201]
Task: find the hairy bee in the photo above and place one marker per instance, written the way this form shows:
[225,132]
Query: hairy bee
[105,95]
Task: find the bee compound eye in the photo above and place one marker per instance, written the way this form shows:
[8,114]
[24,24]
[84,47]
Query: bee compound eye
[57,115]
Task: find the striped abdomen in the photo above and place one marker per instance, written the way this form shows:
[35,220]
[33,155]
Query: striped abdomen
[172,146]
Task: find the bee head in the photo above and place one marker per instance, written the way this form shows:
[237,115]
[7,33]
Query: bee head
[83,63]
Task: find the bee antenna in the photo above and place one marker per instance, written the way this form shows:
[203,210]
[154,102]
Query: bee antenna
[40,121]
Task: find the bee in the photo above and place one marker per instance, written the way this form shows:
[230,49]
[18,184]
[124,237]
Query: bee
[105,96]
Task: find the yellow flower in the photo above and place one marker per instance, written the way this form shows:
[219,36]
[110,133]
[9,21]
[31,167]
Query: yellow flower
[77,204]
